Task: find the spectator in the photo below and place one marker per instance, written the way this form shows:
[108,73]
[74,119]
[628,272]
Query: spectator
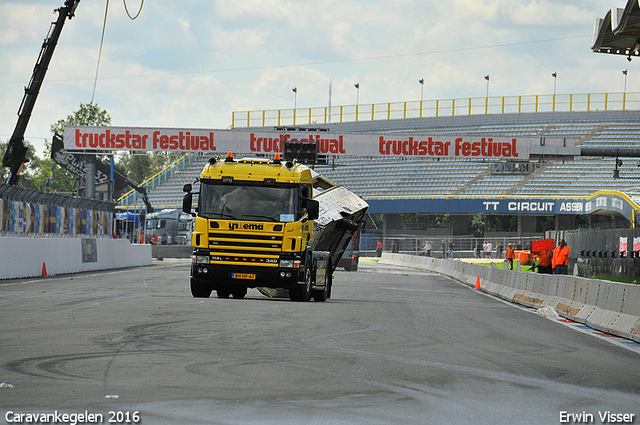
[379,249]
[154,239]
[560,261]
[450,253]
[511,254]
[394,246]
[426,249]
[544,262]
[168,238]
[479,249]
[443,248]
[488,250]
[499,249]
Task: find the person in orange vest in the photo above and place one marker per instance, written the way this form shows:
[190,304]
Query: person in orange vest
[544,262]
[511,254]
[560,261]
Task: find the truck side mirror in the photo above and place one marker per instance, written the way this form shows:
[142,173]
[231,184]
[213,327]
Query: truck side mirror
[186,202]
[187,187]
[313,209]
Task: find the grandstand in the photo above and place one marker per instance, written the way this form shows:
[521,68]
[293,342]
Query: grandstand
[407,178]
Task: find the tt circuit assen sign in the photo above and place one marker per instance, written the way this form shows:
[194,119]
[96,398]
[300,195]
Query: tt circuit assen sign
[603,202]
[269,142]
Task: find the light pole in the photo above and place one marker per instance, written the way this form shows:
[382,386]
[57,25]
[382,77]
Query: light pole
[421,81]
[295,103]
[624,95]
[486,99]
[486,77]
[554,74]
[357,86]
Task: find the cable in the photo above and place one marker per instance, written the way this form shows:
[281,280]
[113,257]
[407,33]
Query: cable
[104,27]
[371,58]
[127,10]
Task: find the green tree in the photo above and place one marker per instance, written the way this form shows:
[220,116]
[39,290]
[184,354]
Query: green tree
[87,114]
[63,181]
[414,221]
[477,223]
[139,166]
[30,170]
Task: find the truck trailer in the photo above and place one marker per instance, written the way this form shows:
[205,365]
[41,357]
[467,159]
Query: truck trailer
[270,224]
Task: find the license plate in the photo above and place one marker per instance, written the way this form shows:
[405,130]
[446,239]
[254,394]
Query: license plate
[243,276]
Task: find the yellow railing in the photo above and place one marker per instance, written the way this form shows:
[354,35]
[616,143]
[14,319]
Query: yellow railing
[439,108]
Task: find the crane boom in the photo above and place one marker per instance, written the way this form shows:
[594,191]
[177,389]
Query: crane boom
[16,154]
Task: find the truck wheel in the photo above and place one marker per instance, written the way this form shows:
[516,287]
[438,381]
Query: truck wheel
[306,289]
[223,293]
[321,295]
[200,289]
[239,293]
[303,292]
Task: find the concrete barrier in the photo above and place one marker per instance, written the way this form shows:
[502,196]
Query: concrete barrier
[22,257]
[603,305]
[171,251]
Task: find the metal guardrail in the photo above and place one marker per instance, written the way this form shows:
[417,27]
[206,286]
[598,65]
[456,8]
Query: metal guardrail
[438,108]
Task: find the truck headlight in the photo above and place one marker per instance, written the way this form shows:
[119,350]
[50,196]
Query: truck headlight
[290,264]
[202,259]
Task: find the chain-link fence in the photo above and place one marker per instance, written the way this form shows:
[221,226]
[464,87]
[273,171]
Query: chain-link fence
[463,246]
[611,252]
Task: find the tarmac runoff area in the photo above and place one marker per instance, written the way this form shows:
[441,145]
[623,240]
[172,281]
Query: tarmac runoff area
[394,345]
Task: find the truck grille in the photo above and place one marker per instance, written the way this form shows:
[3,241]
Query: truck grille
[245,249]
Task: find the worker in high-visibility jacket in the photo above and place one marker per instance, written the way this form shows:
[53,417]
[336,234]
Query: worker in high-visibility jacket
[511,255]
[560,261]
[544,262]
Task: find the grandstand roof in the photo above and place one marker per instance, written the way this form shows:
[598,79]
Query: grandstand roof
[619,31]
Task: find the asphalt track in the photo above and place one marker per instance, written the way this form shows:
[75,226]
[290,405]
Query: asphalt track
[393,346]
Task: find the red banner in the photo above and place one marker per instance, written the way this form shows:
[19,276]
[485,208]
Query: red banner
[244,141]
[542,245]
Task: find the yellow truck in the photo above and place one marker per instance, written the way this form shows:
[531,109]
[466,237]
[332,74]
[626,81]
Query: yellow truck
[254,228]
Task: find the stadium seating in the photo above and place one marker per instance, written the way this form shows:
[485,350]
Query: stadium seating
[372,177]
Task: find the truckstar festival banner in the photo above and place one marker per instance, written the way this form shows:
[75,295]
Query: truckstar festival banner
[265,142]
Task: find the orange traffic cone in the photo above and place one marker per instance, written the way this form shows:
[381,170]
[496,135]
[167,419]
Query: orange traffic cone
[44,270]
[477,288]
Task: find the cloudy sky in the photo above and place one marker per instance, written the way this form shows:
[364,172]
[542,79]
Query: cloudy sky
[191,63]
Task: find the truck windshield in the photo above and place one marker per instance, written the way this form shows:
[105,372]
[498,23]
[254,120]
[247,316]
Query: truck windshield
[251,203]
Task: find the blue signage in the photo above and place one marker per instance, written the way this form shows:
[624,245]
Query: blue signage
[601,202]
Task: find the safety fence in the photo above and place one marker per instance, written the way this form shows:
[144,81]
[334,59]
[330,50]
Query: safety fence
[603,252]
[607,306]
[463,246]
[25,212]
[438,108]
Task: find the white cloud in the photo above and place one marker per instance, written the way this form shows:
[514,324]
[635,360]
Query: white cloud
[191,64]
